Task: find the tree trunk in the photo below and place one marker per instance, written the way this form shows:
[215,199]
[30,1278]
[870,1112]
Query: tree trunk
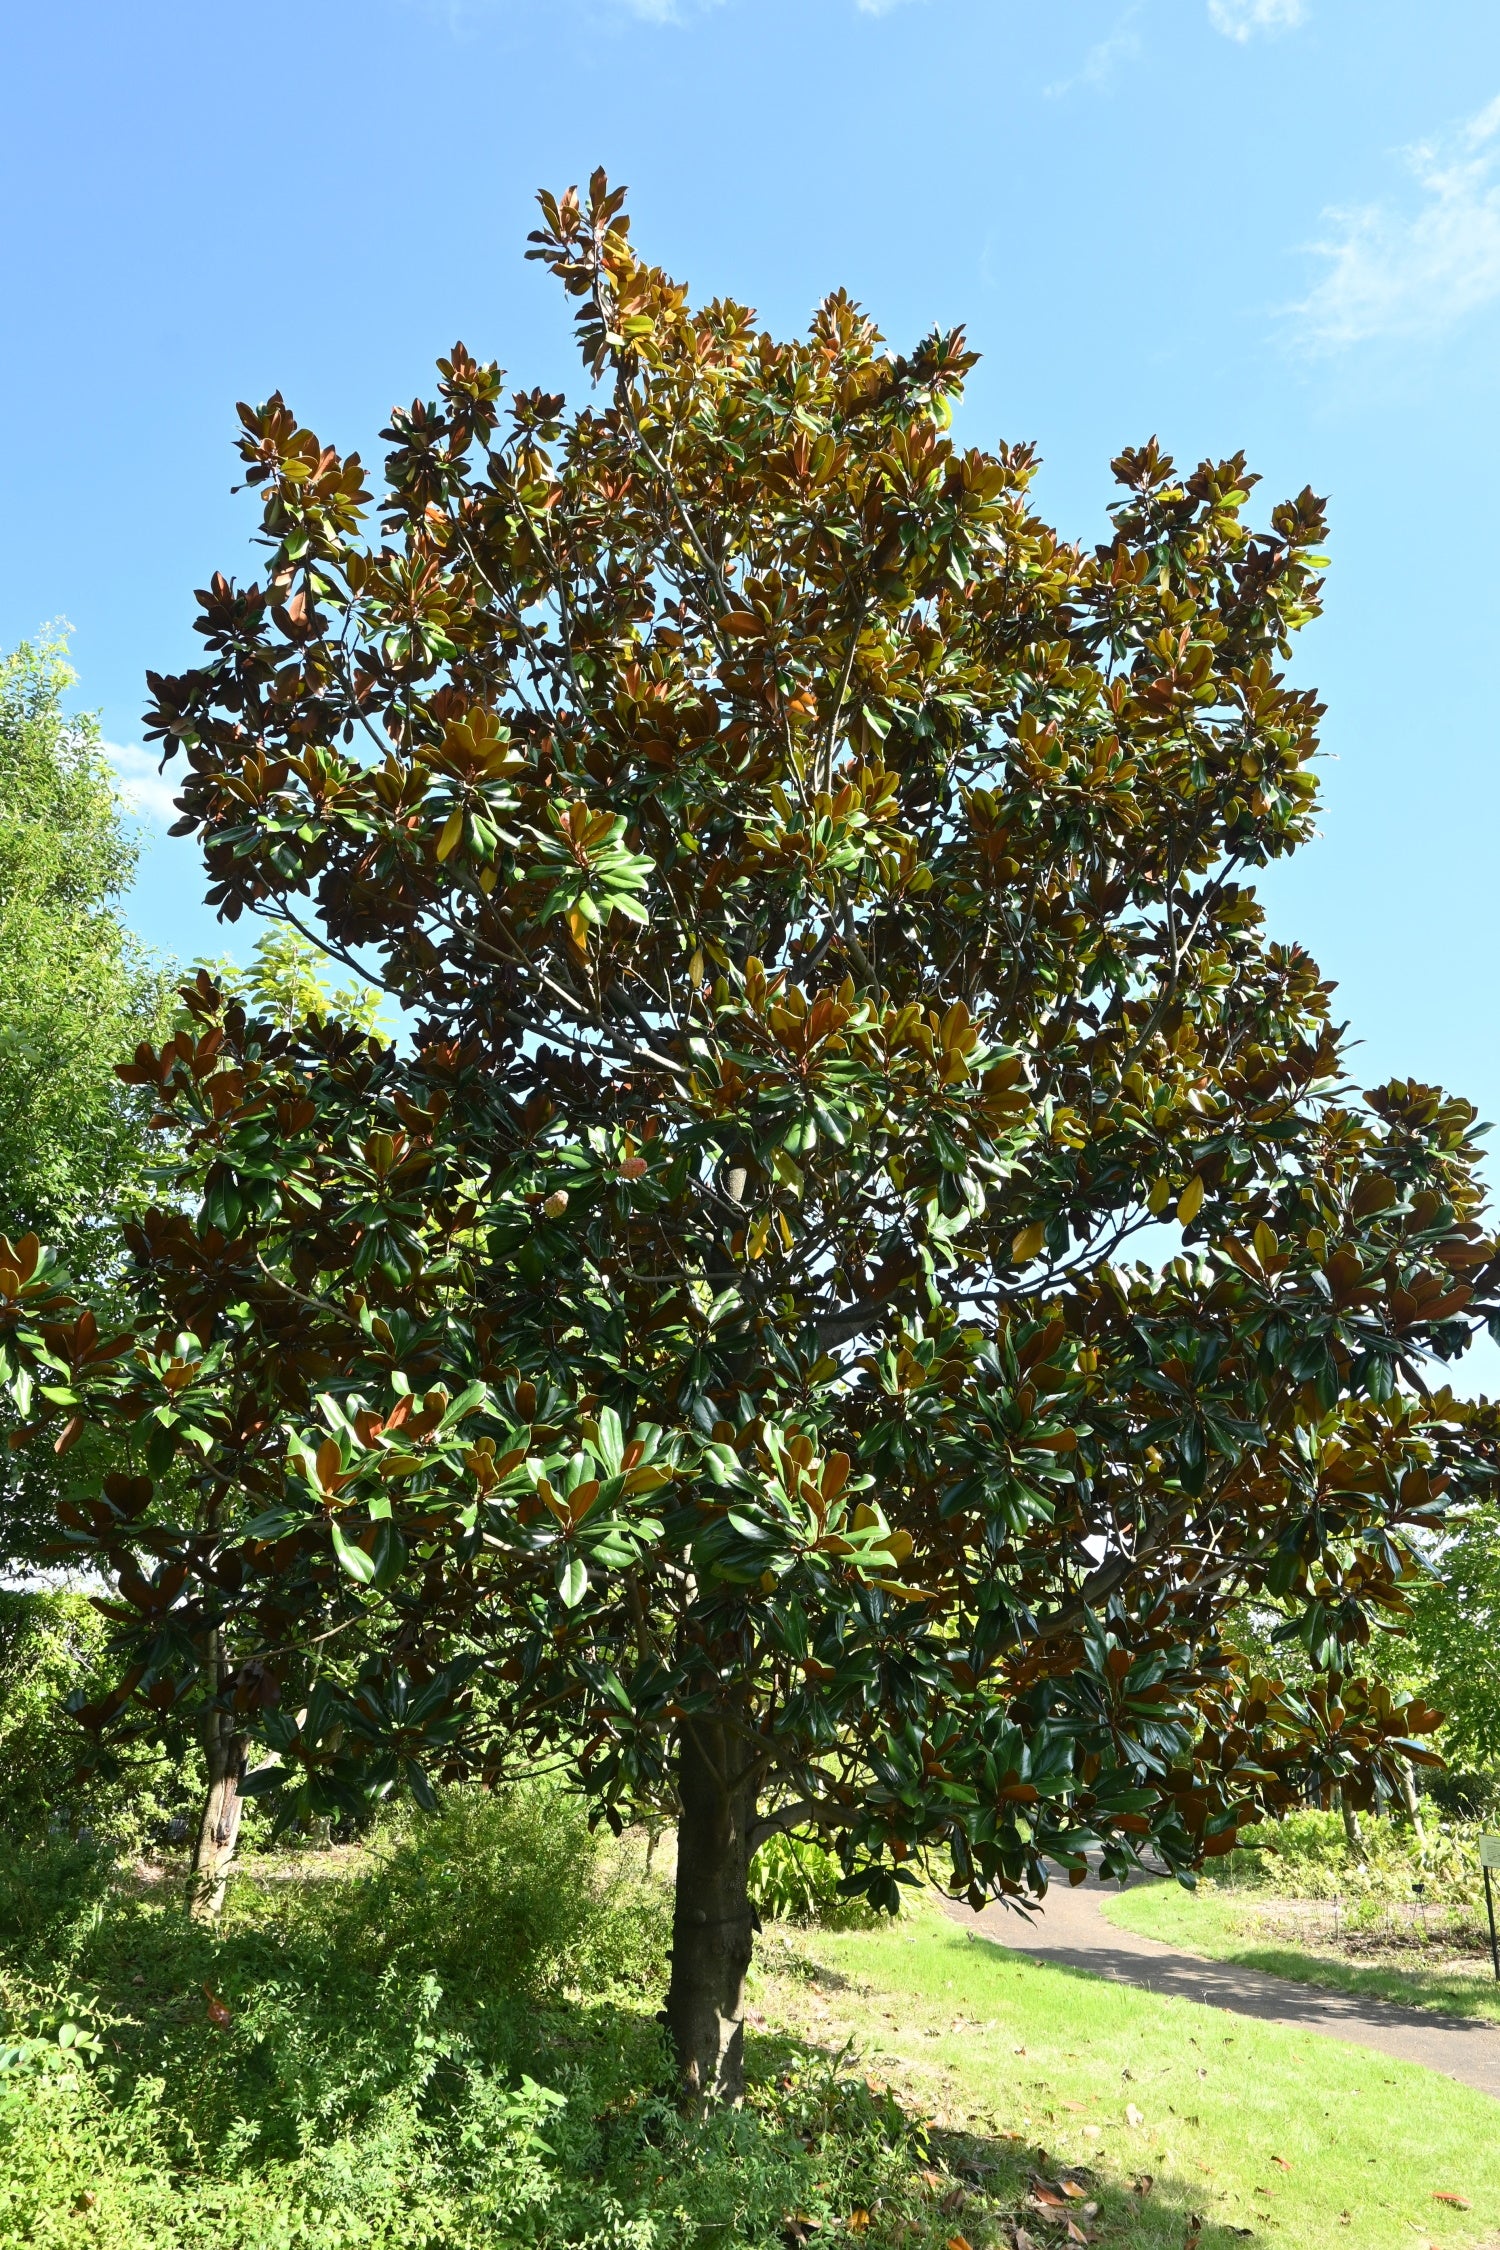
[219,1828]
[1411,1801]
[713,1922]
[1352,1835]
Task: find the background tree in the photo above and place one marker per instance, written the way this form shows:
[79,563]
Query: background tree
[287,983]
[1455,1639]
[818,893]
[76,994]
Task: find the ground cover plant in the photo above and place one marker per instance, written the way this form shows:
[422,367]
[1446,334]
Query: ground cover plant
[447,2037]
[450,2037]
[702,1350]
[1403,1918]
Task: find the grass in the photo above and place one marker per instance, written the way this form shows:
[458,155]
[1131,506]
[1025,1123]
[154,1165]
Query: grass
[1298,2139]
[1269,1934]
[451,2043]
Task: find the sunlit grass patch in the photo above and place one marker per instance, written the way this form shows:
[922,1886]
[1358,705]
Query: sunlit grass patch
[1172,2109]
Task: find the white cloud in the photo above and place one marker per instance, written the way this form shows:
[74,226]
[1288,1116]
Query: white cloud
[666,11]
[1415,271]
[1242,19]
[1098,65]
[138,785]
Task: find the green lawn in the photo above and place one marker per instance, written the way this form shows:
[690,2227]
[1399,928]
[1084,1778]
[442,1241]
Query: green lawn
[1232,1927]
[1298,2139]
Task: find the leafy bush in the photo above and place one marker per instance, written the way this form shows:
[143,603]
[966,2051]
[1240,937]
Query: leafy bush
[1463,1796]
[505,1895]
[453,2045]
[50,1644]
[797,1879]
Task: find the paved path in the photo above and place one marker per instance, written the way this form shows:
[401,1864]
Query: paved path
[1070,1932]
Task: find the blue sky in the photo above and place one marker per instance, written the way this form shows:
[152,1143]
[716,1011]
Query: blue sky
[1263,223]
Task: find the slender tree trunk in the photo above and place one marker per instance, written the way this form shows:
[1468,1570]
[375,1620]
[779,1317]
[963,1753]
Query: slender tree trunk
[219,1827]
[1352,1835]
[1411,1801]
[714,1922]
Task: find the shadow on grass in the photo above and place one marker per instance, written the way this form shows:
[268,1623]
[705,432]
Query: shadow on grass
[979,2188]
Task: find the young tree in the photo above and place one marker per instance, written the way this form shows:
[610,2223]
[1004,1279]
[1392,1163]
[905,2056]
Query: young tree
[287,984]
[819,891]
[76,993]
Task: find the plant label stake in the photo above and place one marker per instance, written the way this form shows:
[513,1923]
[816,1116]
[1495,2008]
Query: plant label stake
[1489,1860]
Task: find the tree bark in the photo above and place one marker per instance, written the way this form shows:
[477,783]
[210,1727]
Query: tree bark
[1352,1836]
[219,1828]
[1411,1801]
[713,1923]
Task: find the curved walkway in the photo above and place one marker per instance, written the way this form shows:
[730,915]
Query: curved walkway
[1069,1932]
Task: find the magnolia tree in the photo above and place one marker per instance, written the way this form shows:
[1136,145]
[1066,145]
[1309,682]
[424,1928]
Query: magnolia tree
[705,1349]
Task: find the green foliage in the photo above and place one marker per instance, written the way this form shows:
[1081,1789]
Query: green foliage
[510,1889]
[76,996]
[823,896]
[1455,1639]
[1308,1855]
[450,2047]
[76,993]
[287,984]
[797,1879]
[53,1646]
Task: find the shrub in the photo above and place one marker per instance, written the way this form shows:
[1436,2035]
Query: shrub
[1307,1855]
[502,1897]
[51,1644]
[797,1879]
[455,2045]
[1461,1795]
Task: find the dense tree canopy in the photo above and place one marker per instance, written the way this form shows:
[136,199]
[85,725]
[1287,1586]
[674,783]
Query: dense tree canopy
[76,994]
[707,1348]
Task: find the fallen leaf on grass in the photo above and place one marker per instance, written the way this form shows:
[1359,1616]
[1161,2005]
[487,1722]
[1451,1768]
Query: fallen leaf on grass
[1133,2115]
[1446,2195]
[1281,2160]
